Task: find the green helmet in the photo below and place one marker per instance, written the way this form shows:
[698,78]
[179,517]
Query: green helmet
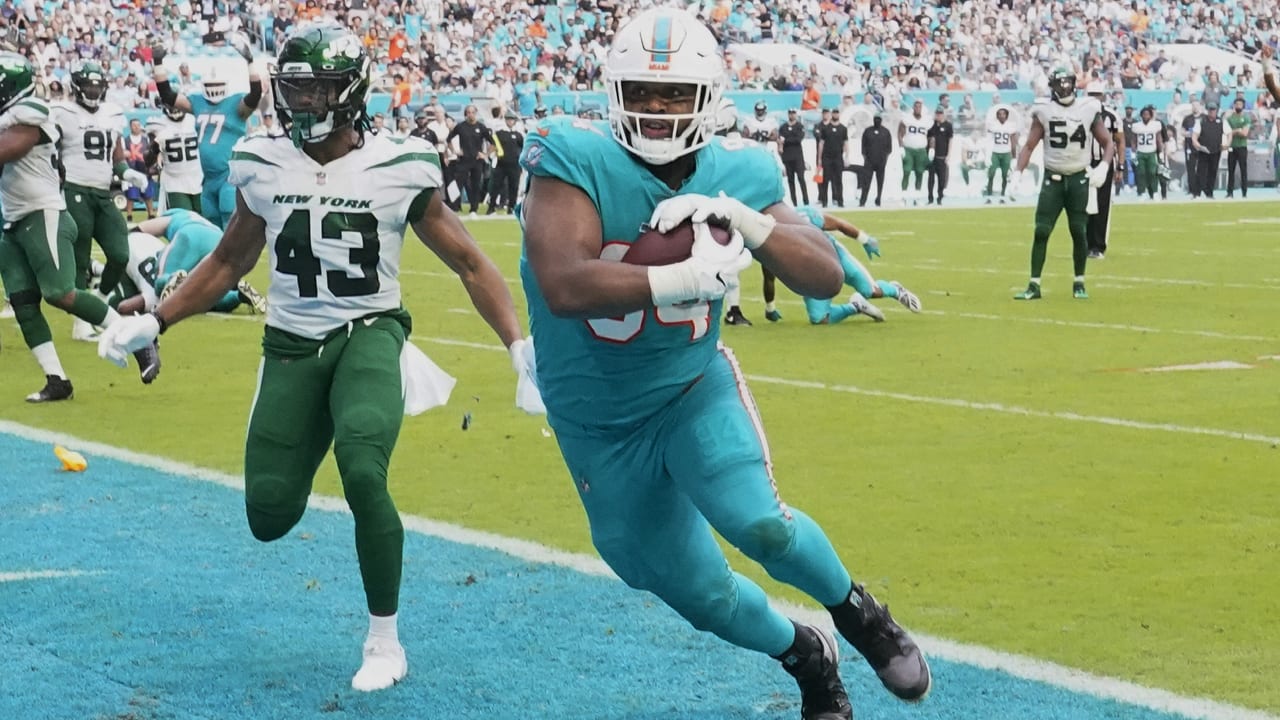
[89,84]
[1062,83]
[17,79]
[321,82]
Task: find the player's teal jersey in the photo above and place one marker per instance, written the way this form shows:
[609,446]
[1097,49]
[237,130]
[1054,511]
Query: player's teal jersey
[813,214]
[192,228]
[613,373]
[219,126]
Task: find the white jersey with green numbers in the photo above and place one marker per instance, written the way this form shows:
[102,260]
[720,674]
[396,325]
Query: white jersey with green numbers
[179,154]
[335,231]
[917,135]
[1144,136]
[1000,134]
[89,141]
[31,182]
[1067,133]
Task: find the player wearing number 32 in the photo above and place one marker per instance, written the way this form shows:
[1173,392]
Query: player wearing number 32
[1065,123]
[652,414]
[331,203]
[92,150]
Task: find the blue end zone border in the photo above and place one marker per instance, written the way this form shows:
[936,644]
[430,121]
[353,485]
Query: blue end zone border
[179,613]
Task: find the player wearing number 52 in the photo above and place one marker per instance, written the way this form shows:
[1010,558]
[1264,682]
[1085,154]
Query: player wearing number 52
[92,151]
[1065,124]
[331,207]
[651,412]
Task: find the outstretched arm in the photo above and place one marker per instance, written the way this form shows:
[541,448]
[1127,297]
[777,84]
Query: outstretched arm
[168,96]
[1269,72]
[442,231]
[831,222]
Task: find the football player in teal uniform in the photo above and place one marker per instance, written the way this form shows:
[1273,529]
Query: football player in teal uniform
[652,413]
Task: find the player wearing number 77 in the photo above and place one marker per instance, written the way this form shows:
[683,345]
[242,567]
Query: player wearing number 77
[332,207]
[652,414]
[1065,123]
[92,151]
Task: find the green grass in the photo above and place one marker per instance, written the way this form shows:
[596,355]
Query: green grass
[1145,551]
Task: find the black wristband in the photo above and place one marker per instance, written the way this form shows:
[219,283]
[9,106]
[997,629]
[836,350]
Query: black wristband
[164,324]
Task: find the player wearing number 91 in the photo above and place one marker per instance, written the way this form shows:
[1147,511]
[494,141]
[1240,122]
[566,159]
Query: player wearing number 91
[331,204]
[652,414]
[1065,123]
[92,151]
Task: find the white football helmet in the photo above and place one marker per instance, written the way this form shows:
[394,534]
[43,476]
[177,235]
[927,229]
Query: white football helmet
[665,45]
[215,89]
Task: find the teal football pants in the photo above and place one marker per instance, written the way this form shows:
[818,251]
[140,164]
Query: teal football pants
[654,495]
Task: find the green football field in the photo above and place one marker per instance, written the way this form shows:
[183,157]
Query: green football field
[1093,482]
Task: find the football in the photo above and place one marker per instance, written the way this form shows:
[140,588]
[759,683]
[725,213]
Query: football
[655,248]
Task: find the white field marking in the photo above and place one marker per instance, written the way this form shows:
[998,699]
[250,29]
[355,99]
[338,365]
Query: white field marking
[1017,665]
[1212,365]
[1122,278]
[1269,357]
[459,311]
[24,575]
[957,403]
[1024,412]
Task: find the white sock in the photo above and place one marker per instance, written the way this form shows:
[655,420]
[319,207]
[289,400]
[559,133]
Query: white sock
[384,627]
[1079,278]
[47,357]
[1035,281]
[770,307]
[111,317]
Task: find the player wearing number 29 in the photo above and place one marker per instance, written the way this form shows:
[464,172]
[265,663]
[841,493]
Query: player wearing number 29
[331,204]
[1065,123]
[221,120]
[651,412]
[92,149]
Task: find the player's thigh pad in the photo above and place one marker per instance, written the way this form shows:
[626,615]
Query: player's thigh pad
[717,454]
[47,240]
[856,274]
[110,230]
[366,400]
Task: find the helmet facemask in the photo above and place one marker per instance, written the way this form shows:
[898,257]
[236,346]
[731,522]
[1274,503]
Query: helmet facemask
[314,105]
[688,131]
[1062,85]
[89,87]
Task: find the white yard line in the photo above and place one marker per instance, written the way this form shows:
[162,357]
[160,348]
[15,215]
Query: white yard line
[1017,665]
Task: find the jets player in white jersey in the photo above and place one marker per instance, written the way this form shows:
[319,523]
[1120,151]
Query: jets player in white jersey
[36,252]
[973,151]
[92,150]
[913,136]
[1002,134]
[331,204]
[1065,123]
[175,145]
[1148,145]
[761,126]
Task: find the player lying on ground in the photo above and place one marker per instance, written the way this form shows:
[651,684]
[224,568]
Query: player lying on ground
[856,275]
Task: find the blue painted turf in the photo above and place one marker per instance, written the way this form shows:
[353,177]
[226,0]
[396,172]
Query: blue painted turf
[186,616]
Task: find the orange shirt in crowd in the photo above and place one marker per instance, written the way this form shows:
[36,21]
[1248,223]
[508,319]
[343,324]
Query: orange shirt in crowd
[811,99]
[399,42]
[537,30]
[400,96]
[719,13]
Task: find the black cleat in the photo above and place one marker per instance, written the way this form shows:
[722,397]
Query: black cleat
[148,362]
[55,388]
[869,628]
[822,694]
[735,317]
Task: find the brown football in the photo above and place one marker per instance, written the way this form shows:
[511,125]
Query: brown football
[655,248]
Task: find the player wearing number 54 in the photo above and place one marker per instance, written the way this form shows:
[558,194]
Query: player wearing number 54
[651,412]
[332,207]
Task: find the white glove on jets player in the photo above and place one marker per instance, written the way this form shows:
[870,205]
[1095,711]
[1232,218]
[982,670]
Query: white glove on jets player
[710,271]
[1098,175]
[126,335]
[135,178]
[753,226]
[525,364]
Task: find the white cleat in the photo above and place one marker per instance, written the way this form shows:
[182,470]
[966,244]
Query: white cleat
[175,281]
[907,298]
[384,666]
[82,331]
[861,305]
[6,311]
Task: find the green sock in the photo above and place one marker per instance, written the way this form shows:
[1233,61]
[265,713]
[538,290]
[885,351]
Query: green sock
[89,307]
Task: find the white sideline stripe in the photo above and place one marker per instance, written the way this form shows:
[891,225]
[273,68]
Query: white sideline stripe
[1121,278]
[1024,412]
[959,403]
[24,575]
[1017,665]
[951,313]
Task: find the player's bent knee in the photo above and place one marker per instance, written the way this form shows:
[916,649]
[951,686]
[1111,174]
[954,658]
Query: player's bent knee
[273,523]
[61,298]
[765,540]
[1043,231]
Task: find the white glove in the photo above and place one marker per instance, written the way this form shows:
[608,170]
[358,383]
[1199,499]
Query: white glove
[127,335]
[709,271]
[1015,182]
[240,43]
[525,363]
[1098,175]
[754,227]
[135,178]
